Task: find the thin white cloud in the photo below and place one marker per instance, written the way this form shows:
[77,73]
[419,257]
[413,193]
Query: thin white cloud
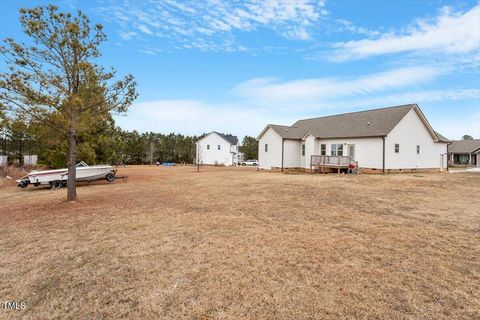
[209,21]
[349,26]
[450,33]
[127,35]
[271,91]
[144,29]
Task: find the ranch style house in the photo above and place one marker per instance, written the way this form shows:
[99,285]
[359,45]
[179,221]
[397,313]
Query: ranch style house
[384,140]
[464,153]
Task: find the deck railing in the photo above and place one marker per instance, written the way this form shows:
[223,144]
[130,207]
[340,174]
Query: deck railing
[333,162]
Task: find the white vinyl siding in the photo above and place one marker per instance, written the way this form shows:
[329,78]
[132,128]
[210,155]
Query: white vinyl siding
[409,133]
[310,149]
[368,151]
[221,155]
[269,150]
[292,152]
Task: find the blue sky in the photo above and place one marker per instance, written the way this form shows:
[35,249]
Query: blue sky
[234,66]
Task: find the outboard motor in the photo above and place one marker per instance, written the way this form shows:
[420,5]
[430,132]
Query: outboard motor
[23,183]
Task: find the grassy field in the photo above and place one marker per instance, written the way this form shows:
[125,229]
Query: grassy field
[240,244]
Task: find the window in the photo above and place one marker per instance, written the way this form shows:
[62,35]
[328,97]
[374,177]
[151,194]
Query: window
[397,148]
[303,149]
[323,149]
[337,149]
[219,147]
[266,147]
[418,149]
[208,147]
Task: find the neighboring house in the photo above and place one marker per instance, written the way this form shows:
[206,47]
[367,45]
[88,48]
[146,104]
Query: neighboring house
[217,149]
[3,160]
[381,140]
[464,152]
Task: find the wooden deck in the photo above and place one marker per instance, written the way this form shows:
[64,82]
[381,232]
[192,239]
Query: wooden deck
[321,163]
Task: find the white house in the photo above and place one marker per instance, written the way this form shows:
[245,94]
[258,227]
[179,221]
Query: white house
[381,140]
[217,149]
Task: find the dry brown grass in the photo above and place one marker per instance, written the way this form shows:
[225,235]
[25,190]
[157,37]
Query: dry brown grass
[233,243]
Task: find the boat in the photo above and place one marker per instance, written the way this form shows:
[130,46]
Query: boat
[57,178]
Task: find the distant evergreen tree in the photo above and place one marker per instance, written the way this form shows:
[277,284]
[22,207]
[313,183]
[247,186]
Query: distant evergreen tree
[249,147]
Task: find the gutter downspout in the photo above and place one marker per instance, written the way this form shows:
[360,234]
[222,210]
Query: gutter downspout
[383,160]
[283,143]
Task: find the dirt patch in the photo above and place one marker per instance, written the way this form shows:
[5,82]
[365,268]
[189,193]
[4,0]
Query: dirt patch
[236,243]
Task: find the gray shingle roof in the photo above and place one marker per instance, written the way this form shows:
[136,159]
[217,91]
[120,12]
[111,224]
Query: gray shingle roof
[464,146]
[288,132]
[369,123]
[442,138]
[232,139]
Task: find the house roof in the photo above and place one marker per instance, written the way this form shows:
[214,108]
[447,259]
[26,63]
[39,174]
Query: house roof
[232,139]
[369,123]
[464,146]
[442,138]
[288,132]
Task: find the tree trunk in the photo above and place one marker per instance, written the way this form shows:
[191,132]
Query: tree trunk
[72,170]
[72,136]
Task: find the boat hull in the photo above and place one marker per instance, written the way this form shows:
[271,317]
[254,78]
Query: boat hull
[83,174]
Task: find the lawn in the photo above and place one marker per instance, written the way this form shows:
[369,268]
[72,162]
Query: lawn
[234,243]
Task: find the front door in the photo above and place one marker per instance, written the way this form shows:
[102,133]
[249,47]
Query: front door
[351,150]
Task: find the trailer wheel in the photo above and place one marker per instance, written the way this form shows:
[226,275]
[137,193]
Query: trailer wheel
[110,177]
[57,184]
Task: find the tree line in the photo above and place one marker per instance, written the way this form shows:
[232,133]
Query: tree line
[101,143]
